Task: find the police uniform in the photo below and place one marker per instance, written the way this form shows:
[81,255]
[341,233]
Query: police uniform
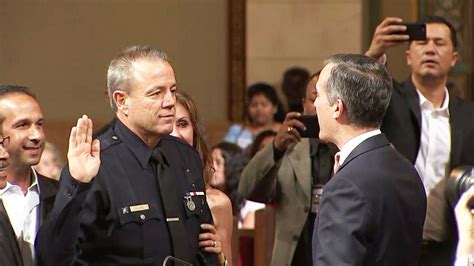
[119,218]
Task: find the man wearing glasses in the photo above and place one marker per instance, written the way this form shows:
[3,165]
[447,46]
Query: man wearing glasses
[26,197]
[4,142]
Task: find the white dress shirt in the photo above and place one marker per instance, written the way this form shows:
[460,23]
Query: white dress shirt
[432,162]
[23,213]
[353,143]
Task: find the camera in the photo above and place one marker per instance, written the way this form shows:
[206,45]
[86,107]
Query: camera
[460,180]
[311,124]
[415,30]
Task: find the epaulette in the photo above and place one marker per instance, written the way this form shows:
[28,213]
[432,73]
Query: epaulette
[108,139]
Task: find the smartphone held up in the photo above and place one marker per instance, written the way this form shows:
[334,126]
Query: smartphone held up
[415,30]
[311,124]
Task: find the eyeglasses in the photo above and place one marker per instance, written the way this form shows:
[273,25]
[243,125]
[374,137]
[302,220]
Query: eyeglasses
[5,142]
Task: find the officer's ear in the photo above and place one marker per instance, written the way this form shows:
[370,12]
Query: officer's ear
[121,100]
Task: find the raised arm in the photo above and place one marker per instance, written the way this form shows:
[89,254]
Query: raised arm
[385,37]
[56,242]
[259,180]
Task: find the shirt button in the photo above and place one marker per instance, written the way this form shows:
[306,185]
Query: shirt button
[187,170]
[69,194]
[142,216]
[296,237]
[74,185]
[114,137]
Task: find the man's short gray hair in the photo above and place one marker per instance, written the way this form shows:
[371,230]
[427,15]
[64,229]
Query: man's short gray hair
[120,72]
[363,85]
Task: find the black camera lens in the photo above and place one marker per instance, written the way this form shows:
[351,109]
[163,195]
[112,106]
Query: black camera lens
[460,180]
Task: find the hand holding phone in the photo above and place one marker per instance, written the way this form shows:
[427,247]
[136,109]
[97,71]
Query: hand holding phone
[294,128]
[392,32]
[415,30]
[311,124]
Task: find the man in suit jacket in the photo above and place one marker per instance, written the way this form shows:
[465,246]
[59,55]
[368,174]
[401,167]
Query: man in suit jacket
[8,245]
[9,248]
[135,195]
[428,125]
[373,208]
[283,173]
[26,197]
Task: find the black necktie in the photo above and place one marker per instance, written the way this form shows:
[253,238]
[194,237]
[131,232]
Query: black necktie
[171,202]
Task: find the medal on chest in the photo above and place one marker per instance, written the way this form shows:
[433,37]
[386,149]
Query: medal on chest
[190,203]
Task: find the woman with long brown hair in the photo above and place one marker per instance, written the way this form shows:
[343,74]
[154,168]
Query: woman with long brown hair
[189,128]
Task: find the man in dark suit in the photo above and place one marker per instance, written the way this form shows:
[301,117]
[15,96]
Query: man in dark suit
[8,245]
[372,210]
[26,197]
[428,125]
[135,195]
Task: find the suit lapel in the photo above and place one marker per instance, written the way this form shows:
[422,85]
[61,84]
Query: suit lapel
[456,123]
[3,214]
[408,90]
[301,162]
[367,145]
[10,238]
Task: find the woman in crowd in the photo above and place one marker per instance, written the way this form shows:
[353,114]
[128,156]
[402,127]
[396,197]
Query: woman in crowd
[229,162]
[262,103]
[189,128]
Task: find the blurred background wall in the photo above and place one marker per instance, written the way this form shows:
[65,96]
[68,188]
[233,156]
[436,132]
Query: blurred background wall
[61,49]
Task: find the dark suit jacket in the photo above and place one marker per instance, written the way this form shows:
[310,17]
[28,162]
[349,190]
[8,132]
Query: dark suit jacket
[372,211]
[9,250]
[89,221]
[402,126]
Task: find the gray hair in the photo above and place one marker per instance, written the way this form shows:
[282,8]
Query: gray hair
[363,85]
[120,72]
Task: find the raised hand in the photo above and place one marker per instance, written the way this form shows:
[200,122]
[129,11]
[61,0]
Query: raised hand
[385,37]
[288,132]
[83,153]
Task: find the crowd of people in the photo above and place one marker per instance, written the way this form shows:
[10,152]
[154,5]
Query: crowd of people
[148,189]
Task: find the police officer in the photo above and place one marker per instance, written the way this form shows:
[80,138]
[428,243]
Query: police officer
[135,195]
